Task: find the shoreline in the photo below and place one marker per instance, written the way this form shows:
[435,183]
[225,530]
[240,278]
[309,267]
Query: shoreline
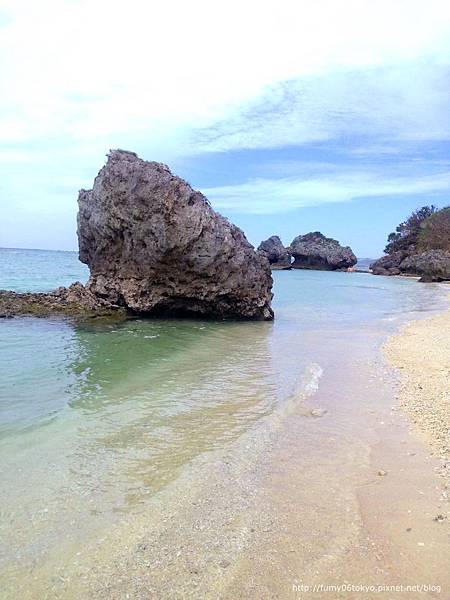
[296,499]
[330,484]
[420,352]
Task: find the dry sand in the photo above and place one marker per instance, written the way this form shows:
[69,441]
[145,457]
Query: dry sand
[422,352]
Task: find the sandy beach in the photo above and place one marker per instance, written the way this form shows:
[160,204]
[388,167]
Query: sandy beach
[421,351]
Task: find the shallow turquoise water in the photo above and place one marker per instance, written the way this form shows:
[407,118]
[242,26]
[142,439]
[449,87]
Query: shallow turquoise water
[96,417]
[50,367]
[39,270]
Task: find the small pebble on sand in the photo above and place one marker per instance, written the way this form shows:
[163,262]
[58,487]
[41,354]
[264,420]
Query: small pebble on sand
[318,412]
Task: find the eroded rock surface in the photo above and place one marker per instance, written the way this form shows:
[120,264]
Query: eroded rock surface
[431,265]
[74,301]
[277,255]
[155,246]
[315,251]
[419,246]
[389,264]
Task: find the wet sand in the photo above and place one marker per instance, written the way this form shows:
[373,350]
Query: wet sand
[332,489]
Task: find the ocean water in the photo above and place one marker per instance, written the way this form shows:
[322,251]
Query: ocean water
[39,270]
[96,419]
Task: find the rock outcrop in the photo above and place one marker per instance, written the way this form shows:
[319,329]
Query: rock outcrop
[74,301]
[431,265]
[277,255]
[419,246]
[315,251]
[389,264]
[156,247]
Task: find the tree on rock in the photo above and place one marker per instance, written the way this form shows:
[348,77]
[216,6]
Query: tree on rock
[406,234]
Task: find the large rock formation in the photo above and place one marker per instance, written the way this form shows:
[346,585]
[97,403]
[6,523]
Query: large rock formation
[277,255]
[389,264]
[155,246]
[315,251]
[431,265]
[419,246]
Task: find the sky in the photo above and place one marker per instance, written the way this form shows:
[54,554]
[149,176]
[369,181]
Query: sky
[293,116]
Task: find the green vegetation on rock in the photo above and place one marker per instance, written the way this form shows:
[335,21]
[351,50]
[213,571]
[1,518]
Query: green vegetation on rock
[419,246]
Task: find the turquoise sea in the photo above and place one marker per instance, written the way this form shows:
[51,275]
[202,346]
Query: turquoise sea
[39,270]
[97,418]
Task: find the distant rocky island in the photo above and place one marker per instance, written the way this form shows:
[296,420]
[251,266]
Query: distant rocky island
[315,251]
[310,251]
[420,246]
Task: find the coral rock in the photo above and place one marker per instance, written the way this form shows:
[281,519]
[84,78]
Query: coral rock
[277,255]
[315,251]
[155,246]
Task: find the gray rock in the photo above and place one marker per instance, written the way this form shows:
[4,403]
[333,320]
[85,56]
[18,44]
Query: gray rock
[388,265]
[155,246]
[432,265]
[277,255]
[74,301]
[315,251]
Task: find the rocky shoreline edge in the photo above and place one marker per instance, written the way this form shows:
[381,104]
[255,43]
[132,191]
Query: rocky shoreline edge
[74,301]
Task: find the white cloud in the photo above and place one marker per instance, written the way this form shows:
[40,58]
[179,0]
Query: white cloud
[174,78]
[399,103]
[96,72]
[268,196]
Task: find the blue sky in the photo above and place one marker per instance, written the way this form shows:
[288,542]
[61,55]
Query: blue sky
[290,117]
